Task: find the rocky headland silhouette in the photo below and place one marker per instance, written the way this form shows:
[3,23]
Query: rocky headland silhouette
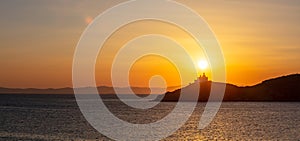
[284,88]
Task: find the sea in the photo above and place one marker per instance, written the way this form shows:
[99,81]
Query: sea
[58,117]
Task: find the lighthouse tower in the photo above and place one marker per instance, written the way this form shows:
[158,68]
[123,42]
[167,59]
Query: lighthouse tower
[203,78]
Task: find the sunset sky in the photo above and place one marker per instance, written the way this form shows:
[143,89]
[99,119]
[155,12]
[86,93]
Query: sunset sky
[259,39]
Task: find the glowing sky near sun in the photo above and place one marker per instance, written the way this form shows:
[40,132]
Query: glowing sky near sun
[260,39]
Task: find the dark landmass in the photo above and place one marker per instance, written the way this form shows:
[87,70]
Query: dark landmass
[101,90]
[285,88]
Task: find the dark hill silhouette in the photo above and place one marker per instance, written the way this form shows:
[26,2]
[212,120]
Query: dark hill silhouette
[285,88]
[101,89]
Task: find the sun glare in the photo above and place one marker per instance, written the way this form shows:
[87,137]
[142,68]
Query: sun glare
[202,64]
[88,20]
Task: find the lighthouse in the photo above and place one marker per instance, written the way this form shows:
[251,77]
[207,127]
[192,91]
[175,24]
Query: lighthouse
[203,78]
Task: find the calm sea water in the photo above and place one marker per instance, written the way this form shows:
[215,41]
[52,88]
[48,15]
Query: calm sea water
[57,117]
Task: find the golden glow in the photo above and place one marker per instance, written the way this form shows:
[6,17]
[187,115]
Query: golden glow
[148,66]
[142,71]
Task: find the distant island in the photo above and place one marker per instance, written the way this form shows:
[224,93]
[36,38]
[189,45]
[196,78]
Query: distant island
[285,88]
[101,90]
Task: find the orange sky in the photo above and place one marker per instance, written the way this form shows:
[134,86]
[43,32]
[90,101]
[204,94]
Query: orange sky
[259,40]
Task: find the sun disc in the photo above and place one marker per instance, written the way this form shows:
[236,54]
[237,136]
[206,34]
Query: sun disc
[202,64]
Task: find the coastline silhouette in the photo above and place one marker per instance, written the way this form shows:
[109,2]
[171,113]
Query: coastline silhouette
[284,88]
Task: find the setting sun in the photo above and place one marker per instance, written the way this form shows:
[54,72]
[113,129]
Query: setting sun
[202,64]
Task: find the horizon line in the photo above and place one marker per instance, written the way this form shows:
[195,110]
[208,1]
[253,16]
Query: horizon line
[149,87]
